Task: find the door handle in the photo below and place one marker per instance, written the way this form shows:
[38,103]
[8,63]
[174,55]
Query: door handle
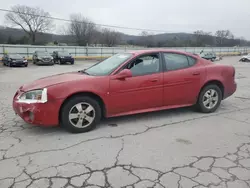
[154,80]
[196,73]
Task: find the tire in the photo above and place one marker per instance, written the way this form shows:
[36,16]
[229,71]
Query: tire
[70,124]
[202,100]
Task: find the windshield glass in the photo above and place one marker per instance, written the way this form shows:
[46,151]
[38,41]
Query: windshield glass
[64,53]
[15,56]
[108,65]
[43,53]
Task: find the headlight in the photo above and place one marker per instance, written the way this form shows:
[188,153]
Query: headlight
[34,96]
[25,61]
[13,60]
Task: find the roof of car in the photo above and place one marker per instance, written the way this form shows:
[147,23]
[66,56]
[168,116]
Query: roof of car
[138,52]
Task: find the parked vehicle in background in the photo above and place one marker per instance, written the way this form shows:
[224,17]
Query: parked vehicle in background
[209,56]
[14,60]
[124,84]
[63,57]
[42,58]
[245,58]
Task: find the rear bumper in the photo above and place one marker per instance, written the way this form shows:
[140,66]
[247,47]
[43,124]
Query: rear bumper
[230,90]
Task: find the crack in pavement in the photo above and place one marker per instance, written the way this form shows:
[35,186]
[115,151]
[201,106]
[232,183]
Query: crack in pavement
[227,171]
[125,135]
[27,170]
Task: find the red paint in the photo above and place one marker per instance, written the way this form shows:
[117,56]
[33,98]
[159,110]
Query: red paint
[164,90]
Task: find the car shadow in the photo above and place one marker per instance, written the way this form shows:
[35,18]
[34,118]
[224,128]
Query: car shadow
[115,121]
[155,114]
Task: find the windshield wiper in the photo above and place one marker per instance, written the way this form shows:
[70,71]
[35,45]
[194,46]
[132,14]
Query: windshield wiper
[83,71]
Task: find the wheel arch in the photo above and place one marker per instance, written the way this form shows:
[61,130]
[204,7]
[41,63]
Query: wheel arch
[214,82]
[89,94]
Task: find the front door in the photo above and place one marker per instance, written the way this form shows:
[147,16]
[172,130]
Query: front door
[142,91]
[182,78]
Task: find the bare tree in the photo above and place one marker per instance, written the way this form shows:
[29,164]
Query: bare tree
[110,37]
[147,39]
[222,35]
[202,38]
[82,29]
[31,20]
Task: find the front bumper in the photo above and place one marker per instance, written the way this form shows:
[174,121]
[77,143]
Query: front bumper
[43,62]
[19,63]
[66,60]
[44,114]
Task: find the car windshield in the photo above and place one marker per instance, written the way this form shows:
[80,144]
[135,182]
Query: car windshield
[108,65]
[64,53]
[15,56]
[43,53]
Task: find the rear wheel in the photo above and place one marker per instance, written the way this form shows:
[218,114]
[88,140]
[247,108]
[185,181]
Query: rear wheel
[80,114]
[209,99]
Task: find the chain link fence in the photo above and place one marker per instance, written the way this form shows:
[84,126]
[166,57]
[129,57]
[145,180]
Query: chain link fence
[99,52]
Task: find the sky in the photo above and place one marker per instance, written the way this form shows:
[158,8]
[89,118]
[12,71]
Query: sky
[167,15]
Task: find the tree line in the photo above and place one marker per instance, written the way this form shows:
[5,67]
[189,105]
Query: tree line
[82,31]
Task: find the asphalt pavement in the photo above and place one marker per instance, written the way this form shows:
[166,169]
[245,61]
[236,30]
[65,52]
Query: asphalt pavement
[168,149]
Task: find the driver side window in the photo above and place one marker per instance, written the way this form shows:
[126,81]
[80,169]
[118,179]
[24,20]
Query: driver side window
[144,65]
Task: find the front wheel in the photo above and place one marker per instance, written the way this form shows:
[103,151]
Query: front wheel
[209,99]
[80,114]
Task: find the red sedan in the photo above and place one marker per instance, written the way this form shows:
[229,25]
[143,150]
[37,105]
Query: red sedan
[126,83]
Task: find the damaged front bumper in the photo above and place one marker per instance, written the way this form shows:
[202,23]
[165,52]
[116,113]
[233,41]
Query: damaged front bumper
[44,114]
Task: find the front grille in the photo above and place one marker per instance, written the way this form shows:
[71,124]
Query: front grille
[46,59]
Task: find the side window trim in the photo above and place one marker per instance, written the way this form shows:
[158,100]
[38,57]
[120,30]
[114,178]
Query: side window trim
[136,57]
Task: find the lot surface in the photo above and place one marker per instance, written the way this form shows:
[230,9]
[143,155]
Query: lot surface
[174,148]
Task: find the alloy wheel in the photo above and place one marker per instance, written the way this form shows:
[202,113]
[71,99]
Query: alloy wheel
[82,115]
[210,99]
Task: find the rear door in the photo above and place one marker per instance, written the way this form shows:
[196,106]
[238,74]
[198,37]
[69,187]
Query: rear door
[142,91]
[182,79]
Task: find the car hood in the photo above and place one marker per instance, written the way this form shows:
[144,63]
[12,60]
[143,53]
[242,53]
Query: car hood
[53,80]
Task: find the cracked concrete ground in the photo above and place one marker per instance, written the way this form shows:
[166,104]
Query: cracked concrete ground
[175,148]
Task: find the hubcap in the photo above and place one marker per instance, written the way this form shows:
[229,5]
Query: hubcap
[210,99]
[81,115]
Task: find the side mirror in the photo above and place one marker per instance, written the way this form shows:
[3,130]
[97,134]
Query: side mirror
[125,73]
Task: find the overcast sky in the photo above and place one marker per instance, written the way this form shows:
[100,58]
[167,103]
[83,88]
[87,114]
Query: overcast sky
[167,15]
